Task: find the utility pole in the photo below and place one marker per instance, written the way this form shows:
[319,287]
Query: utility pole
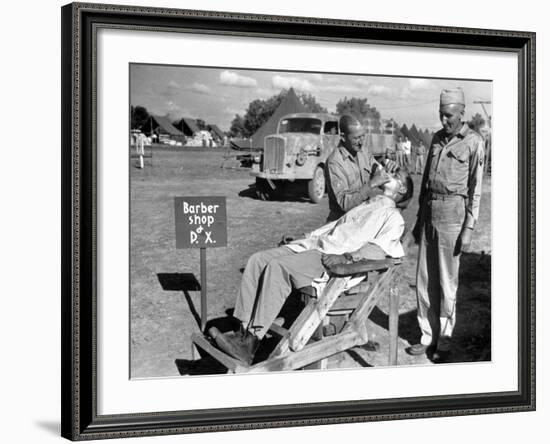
[488,139]
[483,103]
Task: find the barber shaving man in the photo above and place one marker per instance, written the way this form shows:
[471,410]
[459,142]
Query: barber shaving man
[372,230]
[350,168]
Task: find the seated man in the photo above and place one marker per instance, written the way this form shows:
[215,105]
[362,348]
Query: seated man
[372,230]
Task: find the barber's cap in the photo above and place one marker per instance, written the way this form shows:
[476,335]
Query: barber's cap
[453,96]
[350,125]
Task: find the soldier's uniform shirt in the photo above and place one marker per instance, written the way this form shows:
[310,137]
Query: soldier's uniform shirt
[269,275]
[407,147]
[346,175]
[449,201]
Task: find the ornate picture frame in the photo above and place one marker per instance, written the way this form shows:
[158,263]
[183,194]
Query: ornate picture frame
[81,172]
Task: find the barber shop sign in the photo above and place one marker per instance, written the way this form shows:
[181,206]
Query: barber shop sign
[201,222]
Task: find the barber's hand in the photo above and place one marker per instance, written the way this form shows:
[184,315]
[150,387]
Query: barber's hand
[464,241]
[329,260]
[379,178]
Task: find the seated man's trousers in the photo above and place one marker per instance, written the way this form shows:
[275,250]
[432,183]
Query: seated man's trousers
[268,280]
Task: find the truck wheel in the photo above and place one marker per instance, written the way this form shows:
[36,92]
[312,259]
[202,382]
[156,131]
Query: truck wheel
[265,189]
[316,185]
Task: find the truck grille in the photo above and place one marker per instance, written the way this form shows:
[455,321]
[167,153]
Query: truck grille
[274,155]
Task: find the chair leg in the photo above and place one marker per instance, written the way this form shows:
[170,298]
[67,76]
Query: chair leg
[317,336]
[393,324]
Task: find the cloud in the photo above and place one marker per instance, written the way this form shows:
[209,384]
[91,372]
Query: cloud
[232,111]
[233,79]
[341,89]
[380,90]
[362,82]
[285,82]
[419,83]
[406,93]
[173,110]
[172,107]
[200,88]
[169,90]
[266,92]
[316,77]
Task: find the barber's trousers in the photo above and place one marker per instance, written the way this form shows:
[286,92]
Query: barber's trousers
[267,281]
[437,270]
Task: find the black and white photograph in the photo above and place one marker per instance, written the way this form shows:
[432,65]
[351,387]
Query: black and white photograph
[307,221]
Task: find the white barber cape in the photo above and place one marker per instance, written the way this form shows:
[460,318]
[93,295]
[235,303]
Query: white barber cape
[377,221]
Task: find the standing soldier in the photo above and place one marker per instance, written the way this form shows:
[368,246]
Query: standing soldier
[407,146]
[350,170]
[420,157]
[399,152]
[449,207]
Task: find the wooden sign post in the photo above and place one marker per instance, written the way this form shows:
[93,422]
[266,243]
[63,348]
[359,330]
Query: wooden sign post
[201,222]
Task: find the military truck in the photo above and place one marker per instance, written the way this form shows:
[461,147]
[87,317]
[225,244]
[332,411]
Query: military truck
[297,154]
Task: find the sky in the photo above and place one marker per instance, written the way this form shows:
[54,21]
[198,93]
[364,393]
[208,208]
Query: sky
[217,94]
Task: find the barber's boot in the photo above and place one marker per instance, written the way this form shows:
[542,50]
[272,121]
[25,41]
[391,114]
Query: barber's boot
[241,345]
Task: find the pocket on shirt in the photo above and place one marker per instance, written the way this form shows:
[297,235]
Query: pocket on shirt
[459,153]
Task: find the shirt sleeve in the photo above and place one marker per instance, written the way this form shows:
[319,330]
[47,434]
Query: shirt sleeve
[346,197]
[388,238]
[474,184]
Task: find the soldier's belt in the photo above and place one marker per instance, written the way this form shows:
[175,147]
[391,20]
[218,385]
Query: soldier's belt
[439,196]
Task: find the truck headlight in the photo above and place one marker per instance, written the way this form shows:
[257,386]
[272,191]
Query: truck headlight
[301,158]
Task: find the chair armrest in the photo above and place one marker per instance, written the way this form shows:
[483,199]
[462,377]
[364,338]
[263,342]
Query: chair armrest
[363,266]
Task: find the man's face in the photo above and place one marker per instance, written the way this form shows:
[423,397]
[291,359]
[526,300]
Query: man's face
[353,140]
[451,117]
[396,184]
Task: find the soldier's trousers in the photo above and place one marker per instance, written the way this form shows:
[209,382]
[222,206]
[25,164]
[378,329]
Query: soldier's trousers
[437,269]
[419,164]
[267,281]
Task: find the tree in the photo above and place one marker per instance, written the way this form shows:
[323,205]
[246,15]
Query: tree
[476,122]
[139,117]
[237,127]
[357,107]
[310,102]
[260,110]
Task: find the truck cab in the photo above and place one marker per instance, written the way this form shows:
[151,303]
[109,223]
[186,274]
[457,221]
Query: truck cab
[297,153]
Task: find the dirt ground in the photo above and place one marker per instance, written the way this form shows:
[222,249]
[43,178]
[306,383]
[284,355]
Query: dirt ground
[165,303]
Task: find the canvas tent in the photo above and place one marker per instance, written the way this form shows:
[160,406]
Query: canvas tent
[216,132]
[162,126]
[289,105]
[187,126]
[241,144]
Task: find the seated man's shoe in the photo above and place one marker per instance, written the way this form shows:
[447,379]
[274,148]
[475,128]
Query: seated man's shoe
[239,345]
[419,349]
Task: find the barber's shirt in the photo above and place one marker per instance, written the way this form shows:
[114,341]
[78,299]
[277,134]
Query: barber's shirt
[346,176]
[455,167]
[377,222]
